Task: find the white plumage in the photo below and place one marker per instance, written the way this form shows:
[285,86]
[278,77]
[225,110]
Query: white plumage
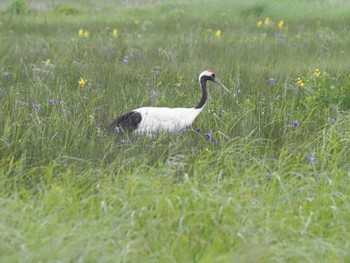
[148,120]
[155,119]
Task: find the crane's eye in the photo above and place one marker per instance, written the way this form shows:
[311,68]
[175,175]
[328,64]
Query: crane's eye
[213,76]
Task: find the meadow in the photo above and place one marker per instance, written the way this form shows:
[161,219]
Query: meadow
[261,176]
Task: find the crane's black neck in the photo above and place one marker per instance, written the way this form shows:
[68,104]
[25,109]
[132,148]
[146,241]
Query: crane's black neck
[203,83]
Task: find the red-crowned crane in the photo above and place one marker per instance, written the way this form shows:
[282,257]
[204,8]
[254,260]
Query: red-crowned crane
[149,120]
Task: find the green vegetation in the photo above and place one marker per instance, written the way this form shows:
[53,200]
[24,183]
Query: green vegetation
[18,7]
[272,187]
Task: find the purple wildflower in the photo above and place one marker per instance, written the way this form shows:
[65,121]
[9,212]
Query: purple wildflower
[333,120]
[295,123]
[272,82]
[117,129]
[209,136]
[126,59]
[52,102]
[36,107]
[182,130]
[198,129]
[311,159]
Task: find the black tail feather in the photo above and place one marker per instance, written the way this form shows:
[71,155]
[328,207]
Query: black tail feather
[127,122]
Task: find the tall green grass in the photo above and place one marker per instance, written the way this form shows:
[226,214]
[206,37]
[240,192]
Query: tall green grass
[264,191]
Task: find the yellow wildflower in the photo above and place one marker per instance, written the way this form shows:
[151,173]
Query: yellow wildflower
[300,82]
[259,24]
[115,32]
[267,21]
[317,73]
[218,33]
[47,61]
[180,77]
[82,82]
[280,24]
[83,33]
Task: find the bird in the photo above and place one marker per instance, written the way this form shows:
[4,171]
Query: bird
[151,120]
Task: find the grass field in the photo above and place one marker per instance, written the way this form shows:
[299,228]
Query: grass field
[273,184]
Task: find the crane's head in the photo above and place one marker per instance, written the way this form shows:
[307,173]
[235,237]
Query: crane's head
[210,75]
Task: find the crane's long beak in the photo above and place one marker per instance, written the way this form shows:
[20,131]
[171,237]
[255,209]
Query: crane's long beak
[217,81]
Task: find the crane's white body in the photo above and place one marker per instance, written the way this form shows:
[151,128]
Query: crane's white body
[148,120]
[156,119]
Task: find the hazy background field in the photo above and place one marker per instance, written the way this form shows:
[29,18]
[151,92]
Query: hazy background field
[273,186]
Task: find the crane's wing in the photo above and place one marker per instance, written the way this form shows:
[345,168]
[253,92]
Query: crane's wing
[128,122]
